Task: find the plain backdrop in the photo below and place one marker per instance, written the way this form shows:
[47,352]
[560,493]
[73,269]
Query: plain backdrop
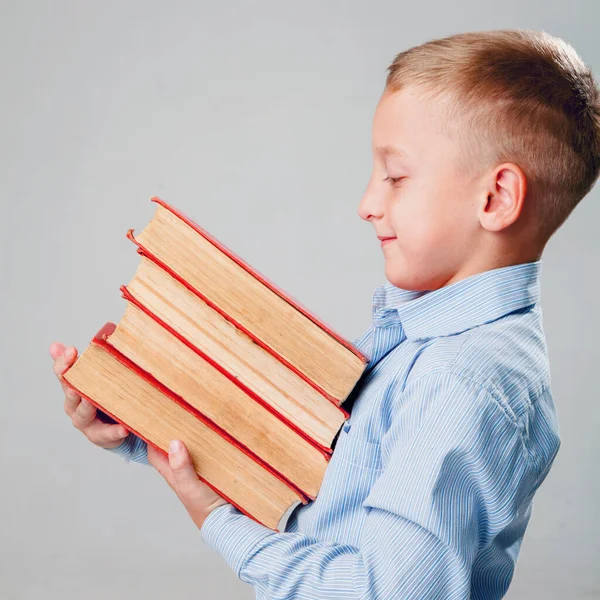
[254,119]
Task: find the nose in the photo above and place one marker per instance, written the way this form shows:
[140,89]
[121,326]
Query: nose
[371,204]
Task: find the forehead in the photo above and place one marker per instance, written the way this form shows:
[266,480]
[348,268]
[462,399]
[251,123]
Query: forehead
[401,116]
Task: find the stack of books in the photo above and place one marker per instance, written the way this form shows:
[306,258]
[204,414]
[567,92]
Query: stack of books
[211,352]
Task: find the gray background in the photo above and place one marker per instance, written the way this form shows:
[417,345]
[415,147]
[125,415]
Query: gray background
[253,118]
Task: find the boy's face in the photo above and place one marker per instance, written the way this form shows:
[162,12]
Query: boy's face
[419,196]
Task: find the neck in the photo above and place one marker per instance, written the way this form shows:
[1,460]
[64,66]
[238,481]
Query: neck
[495,257]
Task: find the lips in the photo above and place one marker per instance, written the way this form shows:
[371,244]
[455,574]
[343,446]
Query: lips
[383,238]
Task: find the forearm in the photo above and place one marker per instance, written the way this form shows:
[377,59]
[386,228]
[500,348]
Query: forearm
[397,559]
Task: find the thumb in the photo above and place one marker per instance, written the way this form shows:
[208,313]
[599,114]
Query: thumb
[184,474]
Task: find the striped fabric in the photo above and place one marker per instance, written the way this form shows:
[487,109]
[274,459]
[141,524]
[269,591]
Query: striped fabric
[430,486]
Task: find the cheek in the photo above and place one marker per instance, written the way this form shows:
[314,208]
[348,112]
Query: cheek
[430,224]
[433,230]
[420,221]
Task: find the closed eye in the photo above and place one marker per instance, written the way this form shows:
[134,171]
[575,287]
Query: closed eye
[393,180]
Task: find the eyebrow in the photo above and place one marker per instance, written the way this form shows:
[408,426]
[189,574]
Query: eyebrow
[383,150]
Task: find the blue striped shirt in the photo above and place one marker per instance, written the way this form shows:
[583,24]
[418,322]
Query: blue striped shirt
[430,486]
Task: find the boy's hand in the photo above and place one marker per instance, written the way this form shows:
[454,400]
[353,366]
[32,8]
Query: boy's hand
[178,471]
[198,498]
[83,414]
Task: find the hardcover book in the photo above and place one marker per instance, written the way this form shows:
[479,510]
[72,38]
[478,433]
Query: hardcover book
[211,352]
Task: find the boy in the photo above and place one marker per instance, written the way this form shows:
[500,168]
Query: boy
[483,144]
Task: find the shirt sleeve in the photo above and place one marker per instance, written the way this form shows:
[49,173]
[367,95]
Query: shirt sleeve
[455,475]
[132,448]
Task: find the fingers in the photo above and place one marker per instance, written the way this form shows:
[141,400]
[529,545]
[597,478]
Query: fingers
[63,357]
[84,414]
[56,349]
[99,433]
[104,435]
[72,400]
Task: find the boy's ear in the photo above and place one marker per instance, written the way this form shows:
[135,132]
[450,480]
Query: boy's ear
[506,189]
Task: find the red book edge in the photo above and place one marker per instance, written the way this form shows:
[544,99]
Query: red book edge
[100,340]
[142,250]
[275,288]
[325,450]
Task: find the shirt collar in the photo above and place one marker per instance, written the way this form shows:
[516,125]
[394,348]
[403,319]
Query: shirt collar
[470,302]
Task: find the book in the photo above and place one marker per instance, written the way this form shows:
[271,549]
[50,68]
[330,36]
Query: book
[147,409]
[214,337]
[208,347]
[255,305]
[204,386]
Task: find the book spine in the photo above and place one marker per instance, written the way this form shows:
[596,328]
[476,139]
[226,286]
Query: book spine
[325,450]
[272,286]
[143,251]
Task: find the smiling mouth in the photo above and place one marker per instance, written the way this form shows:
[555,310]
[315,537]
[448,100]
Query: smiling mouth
[385,241]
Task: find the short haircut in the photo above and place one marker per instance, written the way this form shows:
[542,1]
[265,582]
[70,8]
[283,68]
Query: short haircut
[516,96]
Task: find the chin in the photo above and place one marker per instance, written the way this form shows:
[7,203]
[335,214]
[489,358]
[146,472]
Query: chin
[412,280]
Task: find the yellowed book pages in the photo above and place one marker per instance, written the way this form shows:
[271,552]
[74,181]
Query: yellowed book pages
[301,343]
[143,408]
[150,346]
[257,369]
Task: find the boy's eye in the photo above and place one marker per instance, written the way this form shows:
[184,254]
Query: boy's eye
[393,180]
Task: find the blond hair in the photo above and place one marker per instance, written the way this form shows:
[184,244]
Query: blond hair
[515,96]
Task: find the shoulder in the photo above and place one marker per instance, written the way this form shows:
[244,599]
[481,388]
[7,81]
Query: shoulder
[507,357]
[504,364]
